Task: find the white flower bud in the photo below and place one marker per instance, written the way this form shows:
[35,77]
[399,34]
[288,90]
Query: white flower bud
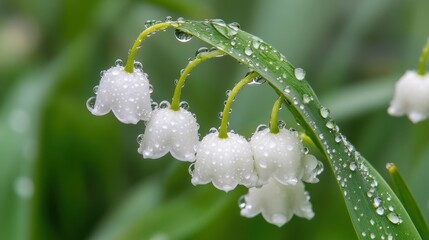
[170,131]
[226,162]
[411,97]
[277,202]
[126,94]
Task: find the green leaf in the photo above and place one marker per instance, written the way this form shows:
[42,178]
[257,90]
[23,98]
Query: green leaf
[408,200]
[368,197]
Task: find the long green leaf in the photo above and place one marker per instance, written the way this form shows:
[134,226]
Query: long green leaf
[375,210]
[408,200]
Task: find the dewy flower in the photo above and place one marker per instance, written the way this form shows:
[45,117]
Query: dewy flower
[281,156]
[411,97]
[126,94]
[226,162]
[170,131]
[277,202]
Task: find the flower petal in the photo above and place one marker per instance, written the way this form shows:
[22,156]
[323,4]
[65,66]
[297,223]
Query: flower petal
[226,162]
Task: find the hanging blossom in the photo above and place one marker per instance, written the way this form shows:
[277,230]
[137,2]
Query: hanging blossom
[282,156]
[226,162]
[411,97]
[277,202]
[126,94]
[170,131]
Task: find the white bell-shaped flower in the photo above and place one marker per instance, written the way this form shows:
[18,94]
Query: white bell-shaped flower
[277,202]
[411,97]
[226,162]
[312,168]
[126,94]
[170,131]
[279,155]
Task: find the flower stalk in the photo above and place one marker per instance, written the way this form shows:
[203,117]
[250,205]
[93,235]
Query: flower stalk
[175,102]
[129,67]
[274,126]
[223,131]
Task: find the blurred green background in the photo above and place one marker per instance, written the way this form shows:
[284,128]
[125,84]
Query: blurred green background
[65,174]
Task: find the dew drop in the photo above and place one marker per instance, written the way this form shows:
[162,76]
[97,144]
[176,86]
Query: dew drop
[102,73]
[168,19]
[324,112]
[191,169]
[256,44]
[228,92]
[90,103]
[261,127]
[95,89]
[299,73]
[154,105]
[306,99]
[149,23]
[242,202]
[182,36]
[281,124]
[234,25]
[213,130]
[118,63]
[220,115]
[164,104]
[139,138]
[180,20]
[330,124]
[376,202]
[138,65]
[380,211]
[353,166]
[150,88]
[393,218]
[372,235]
[184,105]
[201,50]
[248,51]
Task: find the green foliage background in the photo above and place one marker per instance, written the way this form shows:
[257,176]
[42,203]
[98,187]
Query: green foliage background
[65,174]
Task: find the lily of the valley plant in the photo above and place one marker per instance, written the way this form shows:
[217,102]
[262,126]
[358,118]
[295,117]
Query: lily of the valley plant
[274,163]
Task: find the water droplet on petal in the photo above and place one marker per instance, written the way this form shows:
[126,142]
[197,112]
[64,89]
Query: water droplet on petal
[95,89]
[213,130]
[139,138]
[102,73]
[191,169]
[261,127]
[138,65]
[154,105]
[299,73]
[90,103]
[184,105]
[164,104]
[242,202]
[182,36]
[150,88]
[118,62]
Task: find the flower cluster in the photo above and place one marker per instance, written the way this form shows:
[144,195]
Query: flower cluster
[272,164]
[411,97]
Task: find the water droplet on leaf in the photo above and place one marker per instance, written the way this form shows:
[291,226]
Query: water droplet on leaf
[182,36]
[299,73]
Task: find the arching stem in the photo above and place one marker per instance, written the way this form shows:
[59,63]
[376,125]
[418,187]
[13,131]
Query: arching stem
[175,102]
[223,131]
[423,59]
[129,67]
[274,126]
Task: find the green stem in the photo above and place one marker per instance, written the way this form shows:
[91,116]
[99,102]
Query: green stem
[274,126]
[129,67]
[175,102]
[423,58]
[223,131]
